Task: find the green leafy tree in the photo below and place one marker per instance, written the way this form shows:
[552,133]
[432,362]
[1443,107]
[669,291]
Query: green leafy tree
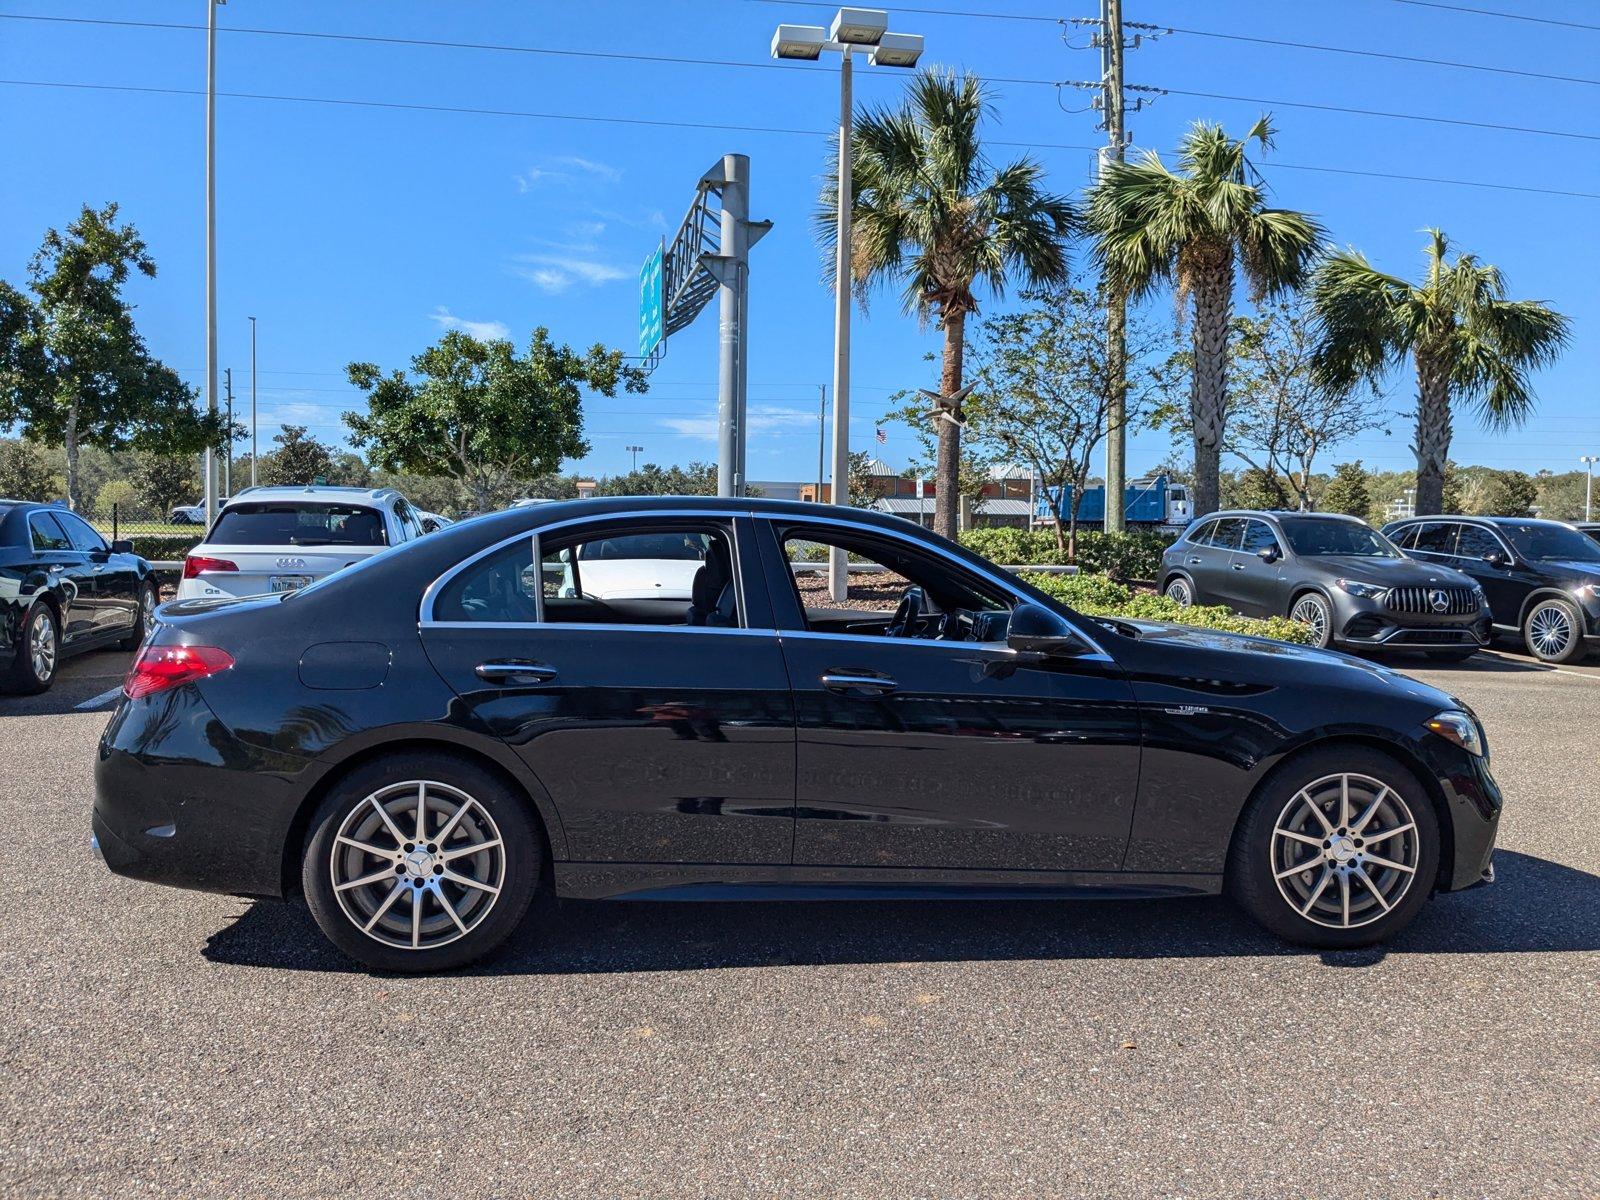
[930,211]
[1196,229]
[163,481]
[1507,494]
[299,459]
[480,414]
[1466,340]
[74,370]
[25,473]
[697,479]
[1254,488]
[119,497]
[1347,492]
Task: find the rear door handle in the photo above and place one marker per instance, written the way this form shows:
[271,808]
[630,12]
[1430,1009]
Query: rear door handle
[512,671]
[1238,566]
[854,681]
[1194,560]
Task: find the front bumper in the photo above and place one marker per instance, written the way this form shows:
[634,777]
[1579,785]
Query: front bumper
[1472,804]
[1362,621]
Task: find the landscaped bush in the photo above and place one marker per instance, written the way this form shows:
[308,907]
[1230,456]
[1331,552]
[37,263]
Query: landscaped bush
[1098,596]
[164,546]
[1122,556]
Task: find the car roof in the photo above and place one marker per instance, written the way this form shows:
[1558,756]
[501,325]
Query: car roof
[1280,513]
[314,491]
[1489,520]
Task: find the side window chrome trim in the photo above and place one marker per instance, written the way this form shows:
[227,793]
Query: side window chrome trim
[590,627]
[998,649]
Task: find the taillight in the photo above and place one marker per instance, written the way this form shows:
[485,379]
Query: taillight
[161,667]
[196,563]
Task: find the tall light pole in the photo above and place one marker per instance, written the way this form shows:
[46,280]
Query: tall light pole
[211,250]
[866,28]
[255,445]
[635,451]
[1588,461]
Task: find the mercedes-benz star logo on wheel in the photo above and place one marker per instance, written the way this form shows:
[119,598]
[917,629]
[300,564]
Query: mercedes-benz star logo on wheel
[1439,599]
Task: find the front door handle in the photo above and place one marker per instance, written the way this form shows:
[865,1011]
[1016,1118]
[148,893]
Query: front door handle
[852,681]
[513,671]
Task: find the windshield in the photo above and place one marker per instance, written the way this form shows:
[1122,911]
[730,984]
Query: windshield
[298,523]
[1316,537]
[1548,543]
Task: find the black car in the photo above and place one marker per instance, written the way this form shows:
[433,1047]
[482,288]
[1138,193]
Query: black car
[419,742]
[64,589]
[1333,573]
[1542,577]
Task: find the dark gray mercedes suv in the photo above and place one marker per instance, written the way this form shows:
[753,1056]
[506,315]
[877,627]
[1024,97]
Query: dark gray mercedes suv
[1338,575]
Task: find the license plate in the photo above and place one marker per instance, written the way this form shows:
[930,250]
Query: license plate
[288,583]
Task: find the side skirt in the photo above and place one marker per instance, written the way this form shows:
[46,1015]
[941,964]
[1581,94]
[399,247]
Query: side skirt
[709,881]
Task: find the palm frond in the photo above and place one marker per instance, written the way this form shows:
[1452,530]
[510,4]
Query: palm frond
[1363,326]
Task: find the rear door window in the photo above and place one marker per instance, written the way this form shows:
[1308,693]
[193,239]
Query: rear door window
[1202,533]
[47,533]
[298,523]
[1227,534]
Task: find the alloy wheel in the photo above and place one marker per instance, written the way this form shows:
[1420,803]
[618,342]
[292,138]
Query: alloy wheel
[1550,630]
[1309,611]
[417,865]
[1344,850]
[42,646]
[1178,590]
[147,613]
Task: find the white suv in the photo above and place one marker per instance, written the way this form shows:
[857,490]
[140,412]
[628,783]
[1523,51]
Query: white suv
[280,539]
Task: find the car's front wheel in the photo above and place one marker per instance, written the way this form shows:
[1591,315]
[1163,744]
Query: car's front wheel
[1553,631]
[1314,612]
[33,664]
[144,619]
[1339,848]
[420,862]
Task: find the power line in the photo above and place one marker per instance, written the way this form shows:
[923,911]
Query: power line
[496,112]
[1490,12]
[926,12]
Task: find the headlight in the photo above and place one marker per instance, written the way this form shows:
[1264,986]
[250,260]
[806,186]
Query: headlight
[1461,729]
[1367,591]
[1587,591]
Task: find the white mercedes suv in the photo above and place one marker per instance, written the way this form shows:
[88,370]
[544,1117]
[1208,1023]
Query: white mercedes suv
[280,539]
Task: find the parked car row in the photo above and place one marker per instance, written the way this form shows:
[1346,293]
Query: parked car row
[639,698]
[1443,585]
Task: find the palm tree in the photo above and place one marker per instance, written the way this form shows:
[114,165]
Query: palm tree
[1193,228]
[927,207]
[1462,333]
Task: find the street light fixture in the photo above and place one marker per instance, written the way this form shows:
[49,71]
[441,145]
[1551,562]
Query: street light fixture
[1588,461]
[852,28]
[635,451]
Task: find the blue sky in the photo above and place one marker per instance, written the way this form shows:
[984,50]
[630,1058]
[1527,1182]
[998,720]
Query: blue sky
[359,232]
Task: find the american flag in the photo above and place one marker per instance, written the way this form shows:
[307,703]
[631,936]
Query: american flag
[883,438]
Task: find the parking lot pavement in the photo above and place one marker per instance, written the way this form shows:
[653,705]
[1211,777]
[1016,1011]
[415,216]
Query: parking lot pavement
[168,1042]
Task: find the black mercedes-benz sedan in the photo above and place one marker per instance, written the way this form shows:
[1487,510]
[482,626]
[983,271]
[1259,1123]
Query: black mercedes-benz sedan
[418,743]
[64,589]
[1348,583]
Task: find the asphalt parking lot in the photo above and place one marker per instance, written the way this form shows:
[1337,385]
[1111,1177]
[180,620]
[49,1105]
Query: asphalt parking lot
[157,1041]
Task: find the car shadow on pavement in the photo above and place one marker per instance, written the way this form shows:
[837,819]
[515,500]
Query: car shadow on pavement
[1536,906]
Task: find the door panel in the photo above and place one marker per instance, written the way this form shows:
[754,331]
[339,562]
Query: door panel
[67,569]
[964,760]
[1256,586]
[114,578]
[1507,585]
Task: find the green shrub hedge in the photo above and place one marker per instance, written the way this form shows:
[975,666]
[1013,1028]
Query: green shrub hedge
[164,546]
[1122,556]
[1098,596]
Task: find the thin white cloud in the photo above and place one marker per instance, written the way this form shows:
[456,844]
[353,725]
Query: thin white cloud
[589,166]
[483,331]
[566,169]
[759,418]
[558,272]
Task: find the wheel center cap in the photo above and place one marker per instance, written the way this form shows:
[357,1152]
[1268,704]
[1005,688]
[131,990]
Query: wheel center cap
[419,863]
[1342,850]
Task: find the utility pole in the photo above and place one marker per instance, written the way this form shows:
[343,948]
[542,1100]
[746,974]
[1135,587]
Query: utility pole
[1111,48]
[255,446]
[822,435]
[211,251]
[634,450]
[227,462]
[1588,461]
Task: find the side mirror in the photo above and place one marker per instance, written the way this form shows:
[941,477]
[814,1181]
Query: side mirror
[1269,554]
[429,525]
[1036,629]
[122,546]
[1495,559]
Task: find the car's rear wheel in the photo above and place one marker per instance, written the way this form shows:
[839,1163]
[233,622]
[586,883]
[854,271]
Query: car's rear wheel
[1181,590]
[1553,631]
[1316,614]
[144,620]
[419,862]
[38,653]
[1339,848]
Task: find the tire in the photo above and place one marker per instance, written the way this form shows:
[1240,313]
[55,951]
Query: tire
[1451,655]
[456,923]
[1313,609]
[1308,906]
[34,663]
[1180,590]
[143,620]
[1553,631]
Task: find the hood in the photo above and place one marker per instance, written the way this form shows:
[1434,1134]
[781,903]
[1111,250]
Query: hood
[1257,653]
[1389,572]
[1586,571]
